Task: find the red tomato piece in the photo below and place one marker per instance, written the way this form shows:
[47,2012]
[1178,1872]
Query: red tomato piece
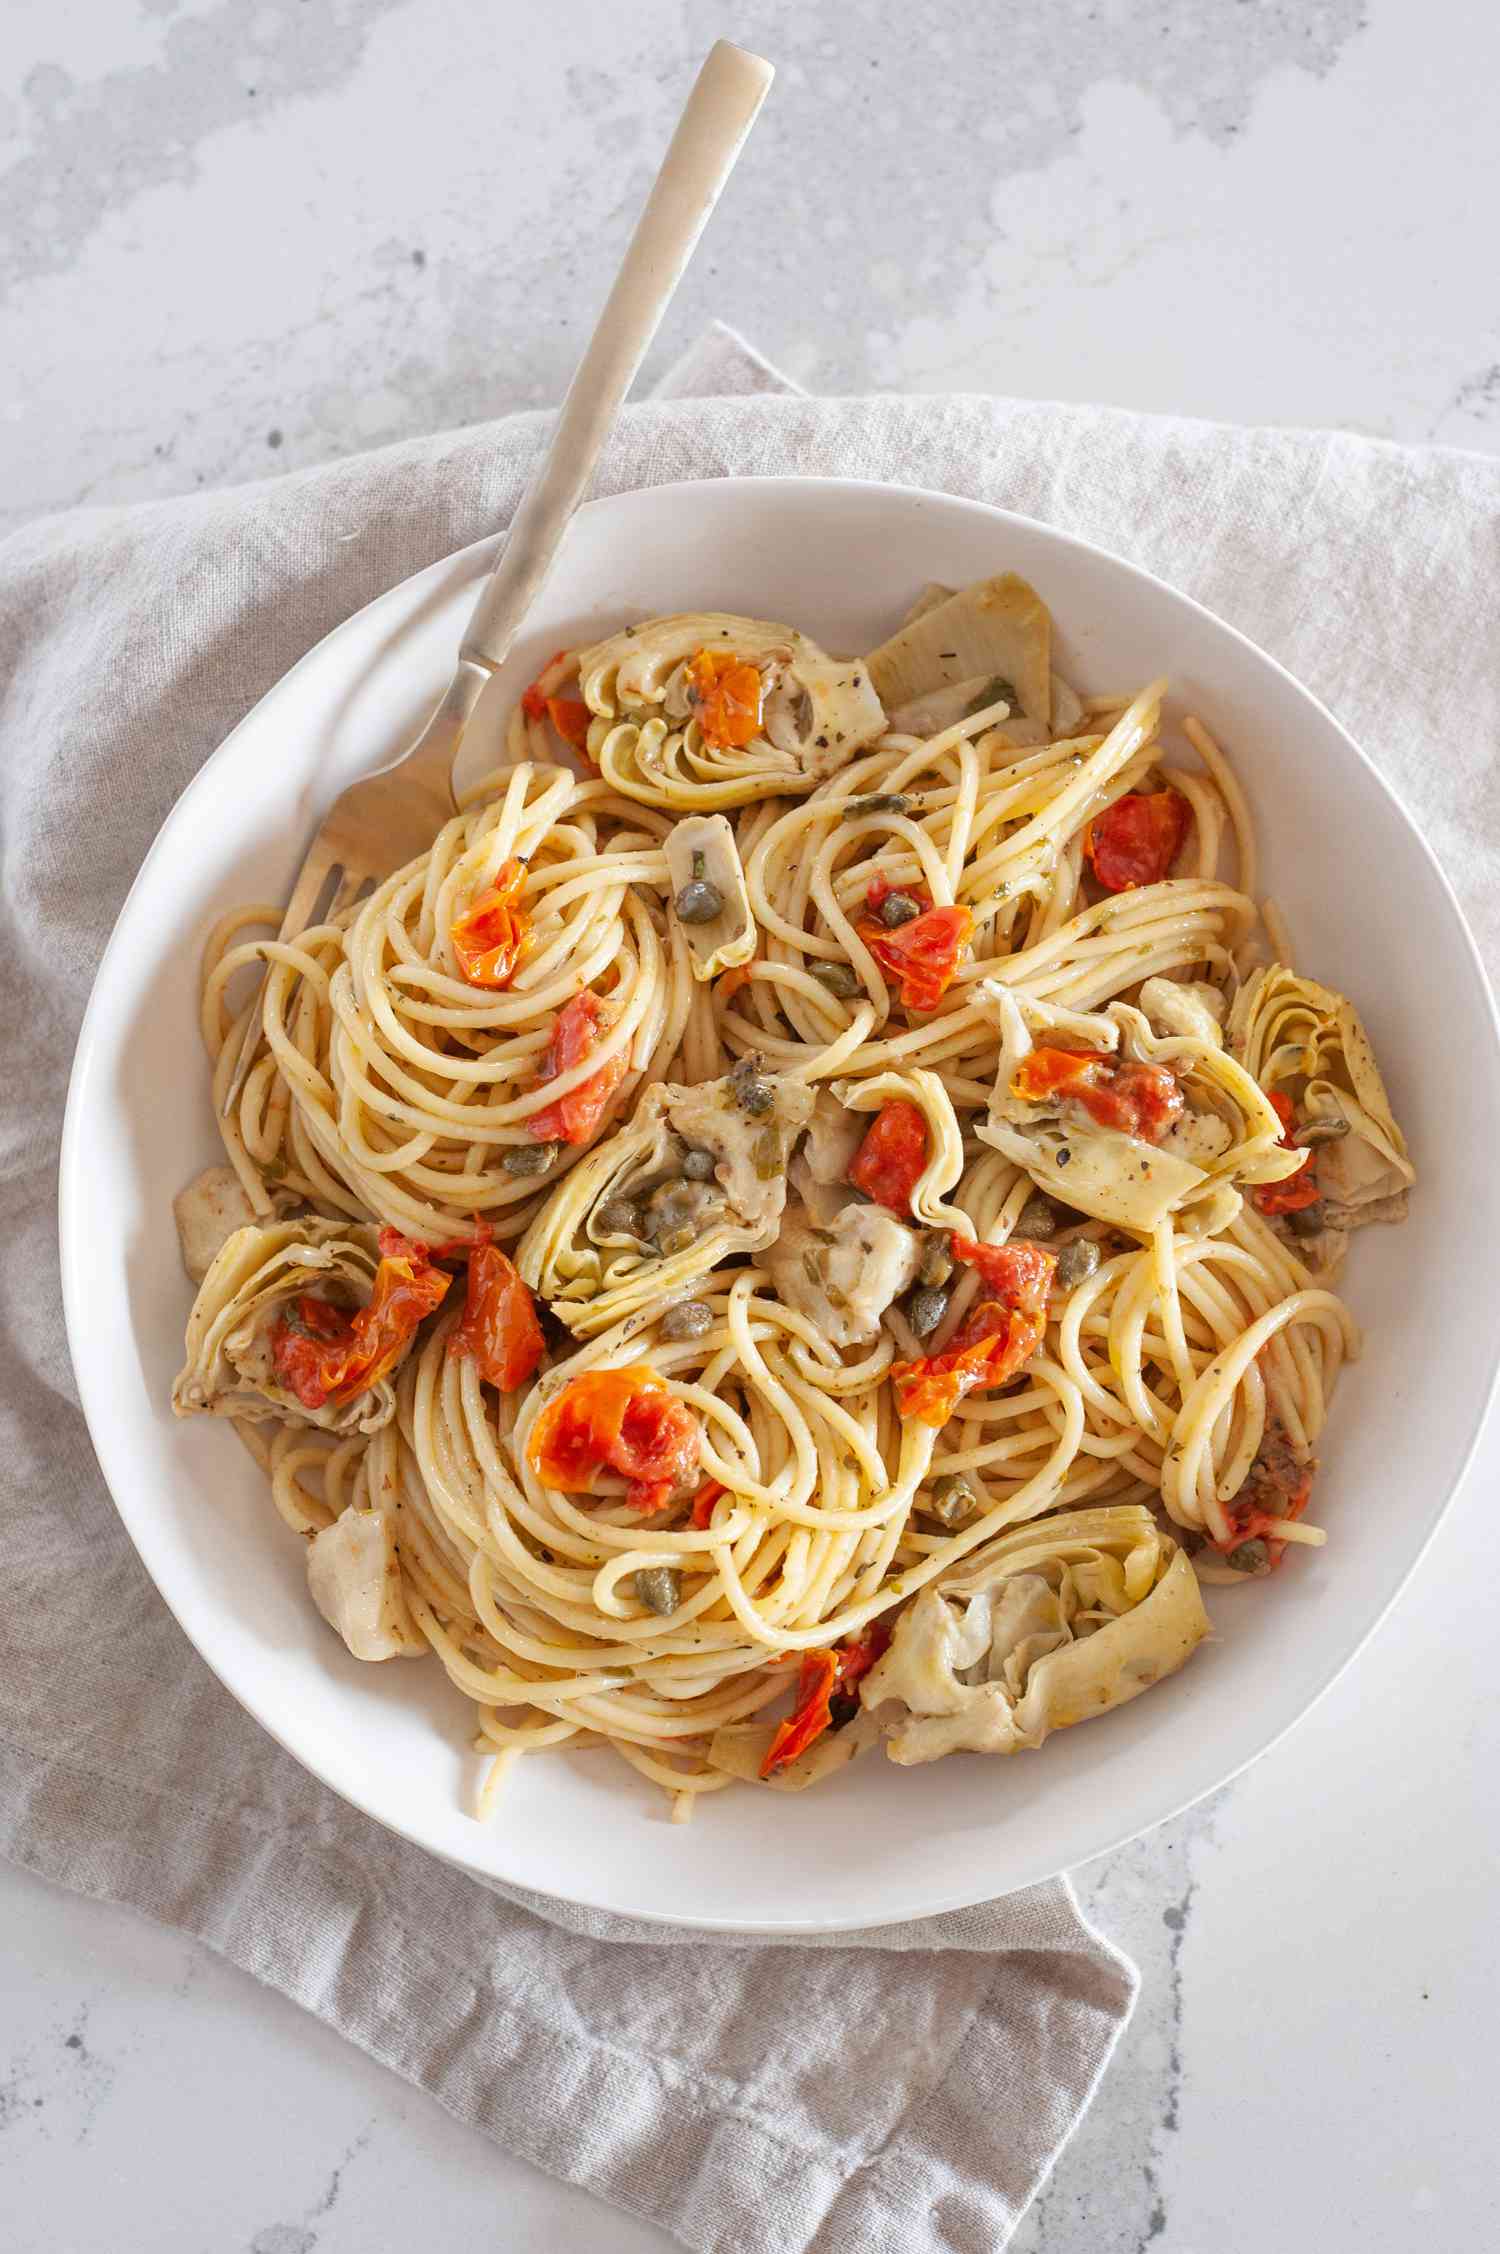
[1297,1191]
[328,1355]
[703,1503]
[1137,1099]
[323,1320]
[1015,1275]
[573,1118]
[493,933]
[534,699]
[725,694]
[987,1351]
[623,1421]
[1276,1487]
[824,1676]
[1136,840]
[570,716]
[921,955]
[657,1447]
[889,1162]
[499,1330]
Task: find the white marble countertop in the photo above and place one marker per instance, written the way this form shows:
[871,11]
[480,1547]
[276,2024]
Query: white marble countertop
[236,237]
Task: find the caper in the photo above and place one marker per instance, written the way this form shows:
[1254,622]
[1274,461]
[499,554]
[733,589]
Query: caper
[838,978]
[1077,1262]
[690,1318]
[881,802]
[619,1217]
[765,1155]
[750,1091]
[659,1587]
[925,1310]
[1308,1220]
[1312,1132]
[699,902]
[898,908]
[674,1208]
[936,1264]
[1037,1217]
[1250,1557]
[952,1501]
[698,1165]
[528,1158]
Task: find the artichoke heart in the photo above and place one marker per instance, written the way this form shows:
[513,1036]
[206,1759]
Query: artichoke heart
[996,633]
[354,1577]
[704,864]
[844,1273]
[1228,1134]
[257,1277]
[1046,1626]
[706,710]
[698,1177]
[207,1213]
[1307,1043]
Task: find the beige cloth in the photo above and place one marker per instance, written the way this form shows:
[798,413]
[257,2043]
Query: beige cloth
[907,2087]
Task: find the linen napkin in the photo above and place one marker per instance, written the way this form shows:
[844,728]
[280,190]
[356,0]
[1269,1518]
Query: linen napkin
[706,2088]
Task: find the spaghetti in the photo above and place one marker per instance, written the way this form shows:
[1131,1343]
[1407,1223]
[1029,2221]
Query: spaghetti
[929,1169]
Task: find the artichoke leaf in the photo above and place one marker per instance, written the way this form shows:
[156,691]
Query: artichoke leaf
[998,628]
[259,1273]
[814,712]
[701,848]
[639,1222]
[1049,1625]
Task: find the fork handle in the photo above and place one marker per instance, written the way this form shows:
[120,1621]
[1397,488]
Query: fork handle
[710,134]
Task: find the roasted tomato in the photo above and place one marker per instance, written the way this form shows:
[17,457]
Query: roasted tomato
[987,1351]
[922,954]
[725,694]
[1016,1275]
[534,699]
[1277,1488]
[493,933]
[623,1421]
[323,1353]
[1136,840]
[703,1503]
[827,1678]
[889,1162]
[499,1330]
[570,716]
[1137,1099]
[1296,1191]
[573,1118]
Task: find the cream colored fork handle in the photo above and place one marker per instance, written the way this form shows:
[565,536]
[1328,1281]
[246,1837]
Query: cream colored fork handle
[710,134]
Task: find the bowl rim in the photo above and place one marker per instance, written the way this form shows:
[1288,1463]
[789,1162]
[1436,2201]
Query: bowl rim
[73,1263]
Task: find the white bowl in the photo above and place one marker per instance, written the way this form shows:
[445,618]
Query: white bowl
[1371,913]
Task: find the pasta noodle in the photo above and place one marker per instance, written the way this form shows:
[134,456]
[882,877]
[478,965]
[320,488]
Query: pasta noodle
[924,1171]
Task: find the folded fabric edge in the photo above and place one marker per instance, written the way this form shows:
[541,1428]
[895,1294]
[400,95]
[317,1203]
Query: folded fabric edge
[722,364]
[1064,2048]
[572,2103]
[718,364]
[774,397]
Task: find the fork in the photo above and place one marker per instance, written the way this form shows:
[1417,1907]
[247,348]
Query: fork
[391,816]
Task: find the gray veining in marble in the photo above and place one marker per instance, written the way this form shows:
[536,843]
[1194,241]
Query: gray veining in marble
[306,226]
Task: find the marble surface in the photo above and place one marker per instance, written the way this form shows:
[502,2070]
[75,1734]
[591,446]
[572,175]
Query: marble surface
[238,237]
